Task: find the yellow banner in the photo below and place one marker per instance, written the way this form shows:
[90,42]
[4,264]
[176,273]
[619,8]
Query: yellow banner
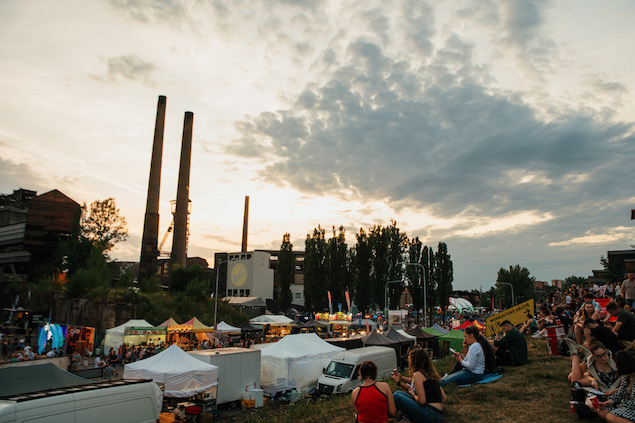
[516,315]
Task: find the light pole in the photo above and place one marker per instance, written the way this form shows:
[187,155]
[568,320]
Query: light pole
[386,303]
[216,293]
[425,295]
[511,286]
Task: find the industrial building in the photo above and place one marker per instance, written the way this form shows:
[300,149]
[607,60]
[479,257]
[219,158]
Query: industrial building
[31,228]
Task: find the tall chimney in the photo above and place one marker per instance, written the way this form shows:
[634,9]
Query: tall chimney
[178,256]
[245,224]
[150,239]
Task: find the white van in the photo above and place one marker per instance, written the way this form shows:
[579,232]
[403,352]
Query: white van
[116,401]
[342,373]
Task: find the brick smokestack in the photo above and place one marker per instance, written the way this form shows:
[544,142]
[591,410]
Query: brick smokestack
[150,239]
[178,257]
[245,224]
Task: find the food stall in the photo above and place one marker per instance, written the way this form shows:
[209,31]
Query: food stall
[139,335]
[80,339]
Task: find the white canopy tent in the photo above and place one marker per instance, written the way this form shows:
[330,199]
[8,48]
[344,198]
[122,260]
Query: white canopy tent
[296,361]
[271,320]
[460,304]
[181,374]
[223,327]
[114,336]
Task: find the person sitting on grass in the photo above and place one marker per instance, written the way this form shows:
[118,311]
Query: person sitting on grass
[620,406]
[473,362]
[425,397]
[373,401]
[624,327]
[531,325]
[587,311]
[592,329]
[598,371]
[511,350]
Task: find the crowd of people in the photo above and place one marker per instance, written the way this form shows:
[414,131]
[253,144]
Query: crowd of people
[422,398]
[602,350]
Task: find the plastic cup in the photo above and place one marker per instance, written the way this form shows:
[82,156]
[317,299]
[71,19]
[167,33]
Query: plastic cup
[594,401]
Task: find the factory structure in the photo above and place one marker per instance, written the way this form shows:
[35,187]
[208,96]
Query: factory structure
[244,277]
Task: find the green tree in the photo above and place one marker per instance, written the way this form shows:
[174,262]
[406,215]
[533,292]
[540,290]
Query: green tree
[520,279]
[102,224]
[336,264]
[285,272]
[415,276]
[362,268]
[574,280]
[444,275]
[615,270]
[428,260]
[397,243]
[379,275]
[315,270]
[182,277]
[91,280]
[126,278]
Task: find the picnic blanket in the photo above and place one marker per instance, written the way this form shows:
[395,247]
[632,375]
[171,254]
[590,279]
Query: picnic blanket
[491,377]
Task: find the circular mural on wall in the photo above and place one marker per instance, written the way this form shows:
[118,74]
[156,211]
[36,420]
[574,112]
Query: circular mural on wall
[239,275]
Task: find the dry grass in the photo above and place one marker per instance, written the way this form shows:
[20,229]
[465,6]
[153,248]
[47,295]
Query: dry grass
[538,392]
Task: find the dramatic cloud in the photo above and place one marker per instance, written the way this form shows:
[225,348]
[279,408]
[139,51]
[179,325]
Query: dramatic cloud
[131,68]
[382,130]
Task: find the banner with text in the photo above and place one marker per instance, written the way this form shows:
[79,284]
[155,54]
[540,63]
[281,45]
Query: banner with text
[516,315]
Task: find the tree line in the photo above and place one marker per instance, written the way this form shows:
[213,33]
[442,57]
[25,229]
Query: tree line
[374,272]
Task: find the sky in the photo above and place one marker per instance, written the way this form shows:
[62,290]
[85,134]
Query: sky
[502,128]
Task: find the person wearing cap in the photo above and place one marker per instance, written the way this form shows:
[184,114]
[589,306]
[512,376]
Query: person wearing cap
[511,350]
[601,334]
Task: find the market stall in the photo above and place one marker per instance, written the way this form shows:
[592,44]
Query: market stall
[296,361]
[180,374]
[188,334]
[278,325]
[116,336]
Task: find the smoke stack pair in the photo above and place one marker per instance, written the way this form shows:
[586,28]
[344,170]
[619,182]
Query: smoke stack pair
[150,240]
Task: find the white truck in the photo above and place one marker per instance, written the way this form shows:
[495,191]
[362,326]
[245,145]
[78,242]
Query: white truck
[102,402]
[342,373]
[238,371]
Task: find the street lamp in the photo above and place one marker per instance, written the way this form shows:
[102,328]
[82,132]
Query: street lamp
[386,303]
[424,283]
[511,286]
[216,293]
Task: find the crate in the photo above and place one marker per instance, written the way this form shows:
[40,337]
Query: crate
[166,418]
[250,403]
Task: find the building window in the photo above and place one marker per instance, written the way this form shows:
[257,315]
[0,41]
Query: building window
[247,293]
[298,295]
[242,293]
[248,256]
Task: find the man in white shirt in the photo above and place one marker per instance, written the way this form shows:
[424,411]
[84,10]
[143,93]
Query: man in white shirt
[473,363]
[628,290]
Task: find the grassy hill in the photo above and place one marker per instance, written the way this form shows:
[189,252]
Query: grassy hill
[538,392]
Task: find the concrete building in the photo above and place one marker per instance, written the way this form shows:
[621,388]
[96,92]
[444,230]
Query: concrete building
[253,274]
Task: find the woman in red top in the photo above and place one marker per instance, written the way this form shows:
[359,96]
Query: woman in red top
[373,401]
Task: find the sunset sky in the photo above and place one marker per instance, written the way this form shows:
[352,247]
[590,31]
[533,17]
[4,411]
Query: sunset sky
[502,128]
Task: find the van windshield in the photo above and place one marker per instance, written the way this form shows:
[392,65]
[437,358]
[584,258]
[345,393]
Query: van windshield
[339,369]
